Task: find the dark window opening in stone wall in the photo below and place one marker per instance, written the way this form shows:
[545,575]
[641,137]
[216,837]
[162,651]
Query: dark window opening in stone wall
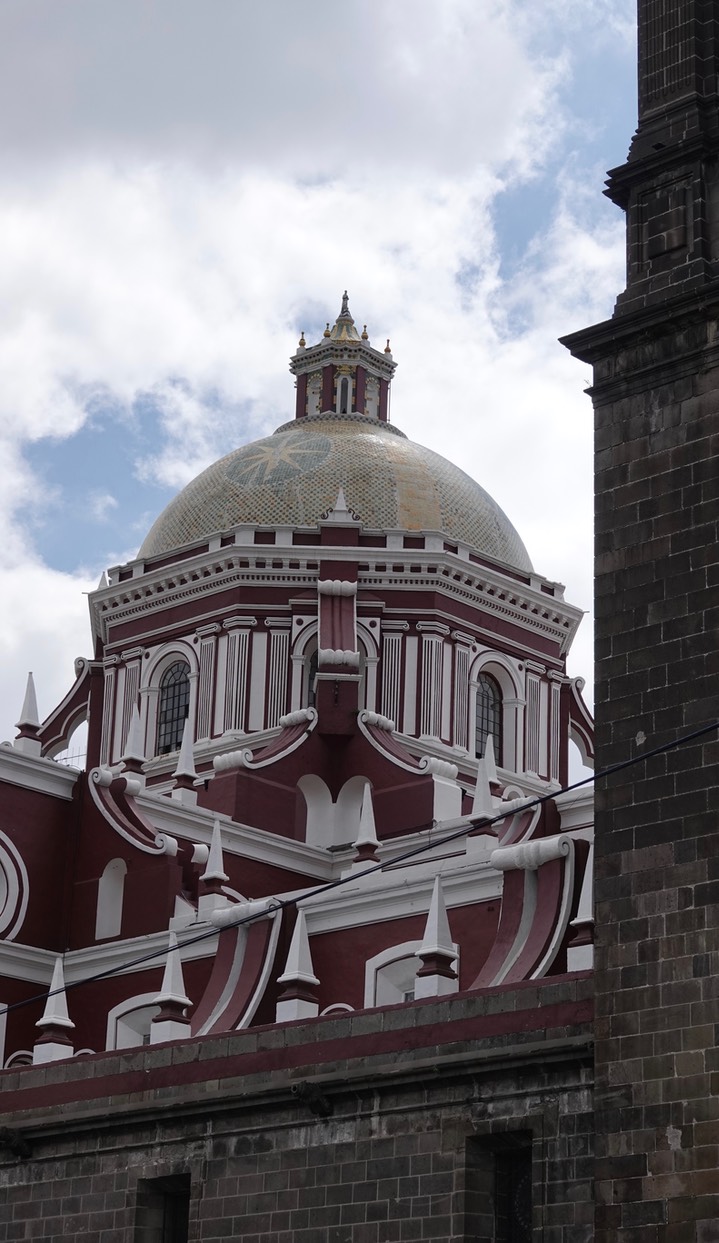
[163,1210]
[498,1189]
[173,707]
[513,1196]
[489,715]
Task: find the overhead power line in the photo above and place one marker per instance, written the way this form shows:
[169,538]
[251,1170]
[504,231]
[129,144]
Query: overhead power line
[471,824]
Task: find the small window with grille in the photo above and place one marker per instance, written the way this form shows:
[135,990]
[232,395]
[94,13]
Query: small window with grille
[173,706]
[489,716]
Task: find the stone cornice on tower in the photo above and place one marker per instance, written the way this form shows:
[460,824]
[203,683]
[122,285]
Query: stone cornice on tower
[669,186]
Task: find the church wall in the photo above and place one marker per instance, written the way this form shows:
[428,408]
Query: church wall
[432,705]
[46,826]
[472,927]
[347,1128]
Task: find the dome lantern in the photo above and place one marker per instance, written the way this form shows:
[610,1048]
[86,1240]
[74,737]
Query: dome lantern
[343,373]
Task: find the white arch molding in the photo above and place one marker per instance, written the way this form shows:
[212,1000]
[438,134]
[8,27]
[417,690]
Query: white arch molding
[508,677]
[14,889]
[390,975]
[150,679]
[128,1023]
[305,643]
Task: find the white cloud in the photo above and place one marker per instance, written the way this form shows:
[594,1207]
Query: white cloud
[43,627]
[183,194]
[309,90]
[101,505]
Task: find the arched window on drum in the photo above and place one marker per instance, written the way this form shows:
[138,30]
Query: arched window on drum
[173,706]
[488,719]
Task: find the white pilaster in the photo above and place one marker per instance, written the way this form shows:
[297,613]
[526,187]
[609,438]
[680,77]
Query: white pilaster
[279,628]
[205,686]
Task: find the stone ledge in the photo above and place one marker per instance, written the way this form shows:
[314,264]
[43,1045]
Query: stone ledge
[466,1028]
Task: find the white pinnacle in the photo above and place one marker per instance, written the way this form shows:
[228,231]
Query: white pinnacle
[29,713]
[173,984]
[186,759]
[367,835]
[340,512]
[214,869]
[482,804]
[55,1013]
[299,959]
[488,759]
[437,936]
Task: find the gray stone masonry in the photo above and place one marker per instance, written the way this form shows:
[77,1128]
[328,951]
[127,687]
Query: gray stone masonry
[379,1146]
[656,404]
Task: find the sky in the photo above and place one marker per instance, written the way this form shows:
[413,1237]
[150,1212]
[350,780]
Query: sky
[185,187]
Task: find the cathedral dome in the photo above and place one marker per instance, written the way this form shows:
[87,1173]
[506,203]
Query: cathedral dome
[292,478]
[340,438]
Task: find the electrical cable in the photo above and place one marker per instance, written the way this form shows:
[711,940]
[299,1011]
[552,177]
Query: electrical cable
[471,823]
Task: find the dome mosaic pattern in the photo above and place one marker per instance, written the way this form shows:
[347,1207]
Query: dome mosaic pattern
[292,477]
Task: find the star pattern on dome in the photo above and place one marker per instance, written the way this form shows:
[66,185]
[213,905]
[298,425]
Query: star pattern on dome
[291,479]
[276,460]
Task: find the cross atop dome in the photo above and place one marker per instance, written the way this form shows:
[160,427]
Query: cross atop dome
[342,373]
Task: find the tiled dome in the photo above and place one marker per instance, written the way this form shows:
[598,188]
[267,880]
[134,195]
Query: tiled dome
[292,478]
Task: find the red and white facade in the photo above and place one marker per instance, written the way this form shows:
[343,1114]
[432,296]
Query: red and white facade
[275,706]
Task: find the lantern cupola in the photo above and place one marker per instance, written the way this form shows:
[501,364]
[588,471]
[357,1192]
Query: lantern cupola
[343,373]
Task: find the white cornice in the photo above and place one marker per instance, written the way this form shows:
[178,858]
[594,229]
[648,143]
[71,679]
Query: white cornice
[36,773]
[576,807]
[209,573]
[195,824]
[121,955]
[35,965]
[204,752]
[467,764]
[397,894]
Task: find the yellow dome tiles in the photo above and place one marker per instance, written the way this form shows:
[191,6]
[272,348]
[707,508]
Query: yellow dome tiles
[292,478]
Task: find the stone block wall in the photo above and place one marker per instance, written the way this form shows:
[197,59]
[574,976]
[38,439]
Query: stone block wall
[656,397]
[272,1137]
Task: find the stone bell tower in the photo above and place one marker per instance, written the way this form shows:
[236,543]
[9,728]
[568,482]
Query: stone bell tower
[656,400]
